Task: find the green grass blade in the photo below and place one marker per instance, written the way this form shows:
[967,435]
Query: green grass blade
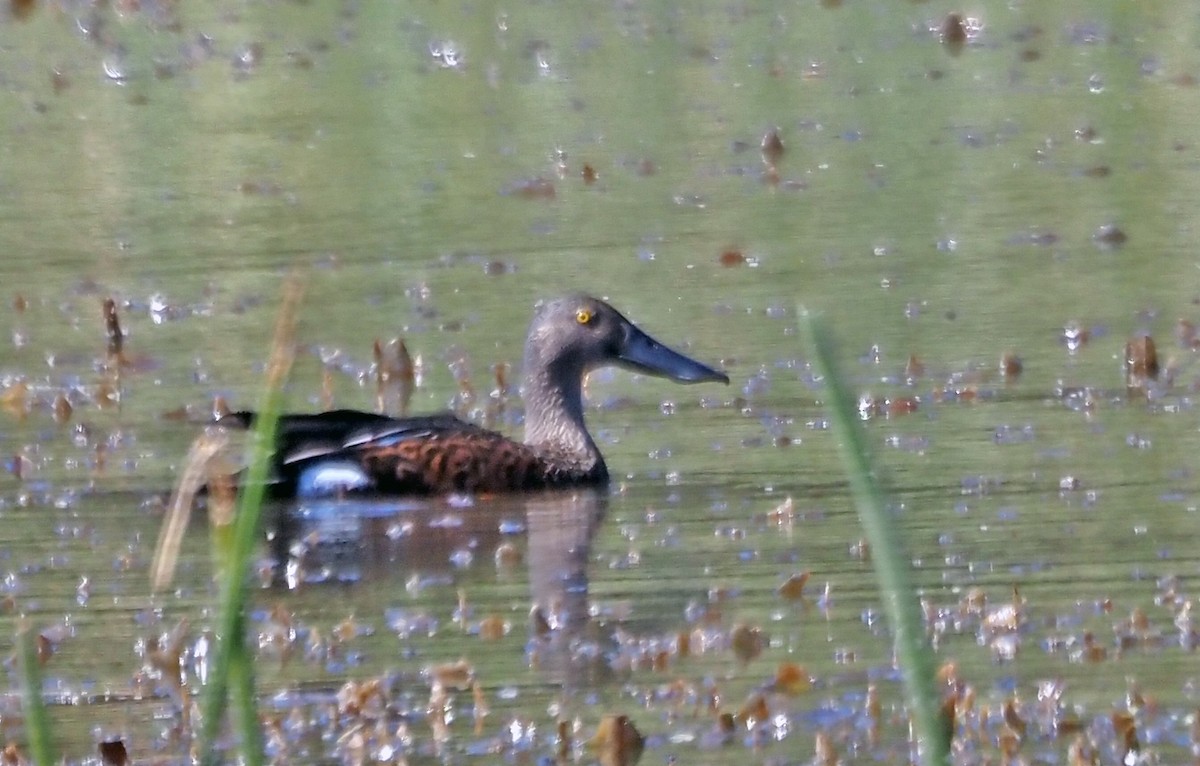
[231,663]
[37,722]
[901,605]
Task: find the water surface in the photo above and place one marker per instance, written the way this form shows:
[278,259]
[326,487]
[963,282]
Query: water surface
[434,170]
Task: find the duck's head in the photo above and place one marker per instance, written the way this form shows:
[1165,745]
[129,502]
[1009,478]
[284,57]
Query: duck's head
[572,335]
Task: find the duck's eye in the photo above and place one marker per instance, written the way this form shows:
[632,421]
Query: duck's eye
[584,316]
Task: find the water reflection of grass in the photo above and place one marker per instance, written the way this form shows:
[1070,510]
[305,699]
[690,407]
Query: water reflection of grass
[901,605]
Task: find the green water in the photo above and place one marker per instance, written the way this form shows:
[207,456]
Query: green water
[930,204]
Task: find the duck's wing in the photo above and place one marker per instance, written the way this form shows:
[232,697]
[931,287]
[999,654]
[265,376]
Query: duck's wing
[309,436]
[350,450]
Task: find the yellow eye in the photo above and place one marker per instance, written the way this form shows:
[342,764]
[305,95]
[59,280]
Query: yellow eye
[584,316]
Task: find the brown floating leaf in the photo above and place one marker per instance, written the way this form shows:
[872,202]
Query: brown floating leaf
[1141,362]
[564,740]
[1185,333]
[771,146]
[753,711]
[901,405]
[1125,727]
[19,303]
[732,257]
[112,326]
[508,557]
[492,628]
[874,711]
[954,33]
[62,408]
[22,9]
[589,174]
[113,753]
[1081,753]
[326,389]
[1010,745]
[1010,366]
[947,674]
[539,623]
[1109,237]
[683,643]
[163,655]
[825,753]
[792,588]
[354,698]
[617,741]
[451,675]
[12,755]
[914,369]
[533,188]
[15,399]
[479,706]
[791,678]
[747,642]
[1012,718]
[44,647]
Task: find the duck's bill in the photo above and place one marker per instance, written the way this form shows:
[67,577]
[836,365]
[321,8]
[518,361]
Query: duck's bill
[644,354]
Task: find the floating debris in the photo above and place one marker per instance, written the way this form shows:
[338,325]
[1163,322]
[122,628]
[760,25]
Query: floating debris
[792,588]
[792,679]
[1011,366]
[14,399]
[783,514]
[953,33]
[1109,237]
[1141,362]
[1185,334]
[395,377]
[537,188]
[747,642]
[116,338]
[1075,336]
[617,741]
[731,257]
[113,752]
[493,627]
[914,369]
[451,675]
[62,408]
[771,146]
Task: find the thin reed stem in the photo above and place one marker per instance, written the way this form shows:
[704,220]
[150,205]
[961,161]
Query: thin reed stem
[901,604]
[231,663]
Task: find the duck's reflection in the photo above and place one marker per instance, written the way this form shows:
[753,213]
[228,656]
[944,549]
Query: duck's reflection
[411,543]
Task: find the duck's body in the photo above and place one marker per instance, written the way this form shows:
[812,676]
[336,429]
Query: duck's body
[349,451]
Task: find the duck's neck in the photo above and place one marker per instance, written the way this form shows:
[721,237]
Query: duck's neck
[554,417]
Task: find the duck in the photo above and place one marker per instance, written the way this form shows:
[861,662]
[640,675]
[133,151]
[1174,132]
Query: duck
[350,452]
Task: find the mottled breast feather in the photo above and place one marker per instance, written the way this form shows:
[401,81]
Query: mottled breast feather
[472,460]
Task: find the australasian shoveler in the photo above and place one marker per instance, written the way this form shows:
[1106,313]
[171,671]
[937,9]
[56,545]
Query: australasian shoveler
[347,451]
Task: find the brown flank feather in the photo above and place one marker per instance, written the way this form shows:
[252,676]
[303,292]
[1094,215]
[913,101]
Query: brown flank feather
[472,461]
